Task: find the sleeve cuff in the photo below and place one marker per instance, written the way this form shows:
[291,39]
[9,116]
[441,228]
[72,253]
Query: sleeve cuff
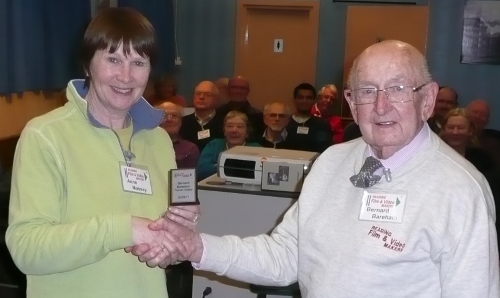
[121,229]
[215,255]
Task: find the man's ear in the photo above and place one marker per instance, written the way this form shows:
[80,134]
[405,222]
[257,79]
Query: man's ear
[429,95]
[352,106]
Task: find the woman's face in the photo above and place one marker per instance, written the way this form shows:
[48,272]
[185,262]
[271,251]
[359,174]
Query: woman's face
[235,131]
[118,81]
[457,131]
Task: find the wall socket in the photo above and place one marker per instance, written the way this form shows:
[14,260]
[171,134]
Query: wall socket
[178,61]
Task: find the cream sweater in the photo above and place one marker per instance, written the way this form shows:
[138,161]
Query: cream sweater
[445,247]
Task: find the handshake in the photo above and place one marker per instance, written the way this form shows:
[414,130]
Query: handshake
[170,239]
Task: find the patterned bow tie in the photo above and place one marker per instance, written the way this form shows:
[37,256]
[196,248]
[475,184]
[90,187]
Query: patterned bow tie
[366,178]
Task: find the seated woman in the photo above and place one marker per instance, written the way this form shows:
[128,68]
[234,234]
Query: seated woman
[166,90]
[236,131]
[458,133]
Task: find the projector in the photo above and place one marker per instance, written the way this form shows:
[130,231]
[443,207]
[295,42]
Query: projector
[274,169]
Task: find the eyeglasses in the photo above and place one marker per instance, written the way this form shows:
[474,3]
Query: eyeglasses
[276,115]
[170,117]
[200,94]
[395,94]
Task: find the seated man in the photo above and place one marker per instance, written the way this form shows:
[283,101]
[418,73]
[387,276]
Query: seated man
[446,100]
[305,132]
[324,109]
[276,118]
[186,153]
[479,113]
[238,89]
[205,124]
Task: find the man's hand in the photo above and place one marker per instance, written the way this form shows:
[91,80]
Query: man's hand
[192,245]
[187,215]
[189,245]
[154,247]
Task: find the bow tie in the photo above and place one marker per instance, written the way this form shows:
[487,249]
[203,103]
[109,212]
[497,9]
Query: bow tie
[366,177]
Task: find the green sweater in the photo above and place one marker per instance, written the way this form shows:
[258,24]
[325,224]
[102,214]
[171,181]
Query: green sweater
[69,217]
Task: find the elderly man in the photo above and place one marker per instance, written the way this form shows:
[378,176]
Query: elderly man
[479,113]
[324,109]
[446,100]
[376,216]
[305,132]
[238,89]
[205,124]
[276,118]
[186,153]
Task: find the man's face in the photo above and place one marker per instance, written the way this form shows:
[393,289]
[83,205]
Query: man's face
[384,125]
[238,89]
[171,120]
[276,118]
[304,101]
[445,102]
[479,114]
[326,99]
[204,96]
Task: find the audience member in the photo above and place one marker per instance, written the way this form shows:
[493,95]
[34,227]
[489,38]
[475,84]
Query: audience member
[305,132]
[238,89]
[236,131]
[276,118]
[223,98]
[446,99]
[479,113]
[458,131]
[417,220]
[205,124]
[324,108]
[186,152]
[165,89]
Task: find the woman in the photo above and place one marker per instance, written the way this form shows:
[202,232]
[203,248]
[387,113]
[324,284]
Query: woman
[458,133]
[166,90]
[89,177]
[236,131]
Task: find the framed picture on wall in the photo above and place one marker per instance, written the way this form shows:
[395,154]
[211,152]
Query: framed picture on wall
[481,32]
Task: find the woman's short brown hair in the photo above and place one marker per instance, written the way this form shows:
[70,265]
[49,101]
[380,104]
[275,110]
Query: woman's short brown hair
[113,27]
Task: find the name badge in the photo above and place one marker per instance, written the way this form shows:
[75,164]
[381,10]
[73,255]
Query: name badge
[204,134]
[302,130]
[136,179]
[385,206]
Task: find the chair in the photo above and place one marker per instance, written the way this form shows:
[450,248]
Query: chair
[262,291]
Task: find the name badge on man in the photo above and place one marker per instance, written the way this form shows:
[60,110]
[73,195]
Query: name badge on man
[302,130]
[385,206]
[204,134]
[136,179]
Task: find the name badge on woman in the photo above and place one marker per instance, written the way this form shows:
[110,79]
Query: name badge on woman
[136,179]
[381,205]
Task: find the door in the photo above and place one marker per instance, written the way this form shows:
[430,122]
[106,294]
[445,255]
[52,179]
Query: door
[275,49]
[405,23]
